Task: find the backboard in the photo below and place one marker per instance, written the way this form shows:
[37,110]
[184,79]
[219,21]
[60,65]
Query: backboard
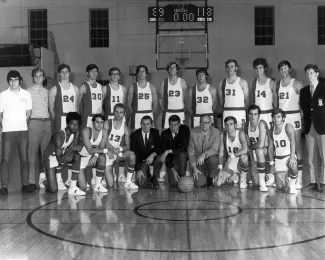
[189,50]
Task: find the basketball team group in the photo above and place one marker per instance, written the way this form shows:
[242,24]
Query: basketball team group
[99,128]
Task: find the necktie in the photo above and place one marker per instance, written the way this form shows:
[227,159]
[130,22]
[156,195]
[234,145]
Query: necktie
[145,140]
[312,89]
[203,143]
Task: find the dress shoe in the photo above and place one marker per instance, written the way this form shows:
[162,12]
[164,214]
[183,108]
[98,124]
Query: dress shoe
[209,182]
[322,187]
[25,189]
[310,186]
[32,188]
[4,191]
[155,182]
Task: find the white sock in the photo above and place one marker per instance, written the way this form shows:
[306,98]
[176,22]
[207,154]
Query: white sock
[94,173]
[73,184]
[69,174]
[98,180]
[129,176]
[59,177]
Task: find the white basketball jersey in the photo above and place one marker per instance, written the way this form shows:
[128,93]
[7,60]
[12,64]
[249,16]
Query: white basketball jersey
[94,144]
[144,98]
[235,146]
[253,136]
[288,98]
[96,99]
[263,95]
[234,95]
[116,135]
[117,96]
[69,97]
[204,101]
[281,143]
[175,96]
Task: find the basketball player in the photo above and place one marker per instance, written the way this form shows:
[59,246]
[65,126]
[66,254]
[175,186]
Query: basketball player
[91,97]
[118,133]
[234,144]
[282,136]
[234,94]
[93,152]
[64,147]
[142,98]
[257,130]
[172,95]
[63,98]
[202,98]
[114,93]
[263,91]
[288,90]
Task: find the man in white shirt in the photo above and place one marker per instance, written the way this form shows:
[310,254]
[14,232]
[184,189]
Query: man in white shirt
[15,111]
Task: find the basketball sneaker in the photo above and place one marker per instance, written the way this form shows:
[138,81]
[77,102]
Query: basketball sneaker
[298,185]
[61,185]
[121,178]
[269,180]
[233,178]
[243,184]
[100,188]
[130,185]
[76,191]
[162,177]
[42,178]
[67,183]
[103,182]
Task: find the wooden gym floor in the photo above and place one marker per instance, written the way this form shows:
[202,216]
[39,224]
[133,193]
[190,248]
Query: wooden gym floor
[208,223]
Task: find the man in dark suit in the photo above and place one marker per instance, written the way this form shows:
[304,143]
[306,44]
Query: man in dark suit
[174,141]
[145,143]
[312,102]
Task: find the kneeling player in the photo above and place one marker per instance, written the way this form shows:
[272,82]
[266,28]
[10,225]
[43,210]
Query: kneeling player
[235,144]
[117,131]
[93,152]
[63,148]
[283,137]
[256,130]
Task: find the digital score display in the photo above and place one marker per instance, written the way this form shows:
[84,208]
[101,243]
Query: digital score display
[180,13]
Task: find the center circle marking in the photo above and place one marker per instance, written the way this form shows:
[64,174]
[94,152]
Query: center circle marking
[141,208]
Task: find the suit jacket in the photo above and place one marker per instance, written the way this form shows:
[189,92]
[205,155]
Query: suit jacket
[313,108]
[198,144]
[177,145]
[138,147]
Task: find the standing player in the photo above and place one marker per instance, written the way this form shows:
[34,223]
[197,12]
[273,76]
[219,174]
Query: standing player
[257,130]
[233,143]
[119,133]
[39,125]
[114,93]
[263,91]
[288,90]
[234,94]
[91,96]
[93,152]
[282,136]
[142,98]
[63,148]
[202,98]
[172,95]
[63,98]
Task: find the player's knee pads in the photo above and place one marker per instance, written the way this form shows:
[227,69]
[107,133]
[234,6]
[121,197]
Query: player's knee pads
[131,158]
[243,161]
[101,160]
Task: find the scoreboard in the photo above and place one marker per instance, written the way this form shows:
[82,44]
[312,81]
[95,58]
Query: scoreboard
[180,13]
